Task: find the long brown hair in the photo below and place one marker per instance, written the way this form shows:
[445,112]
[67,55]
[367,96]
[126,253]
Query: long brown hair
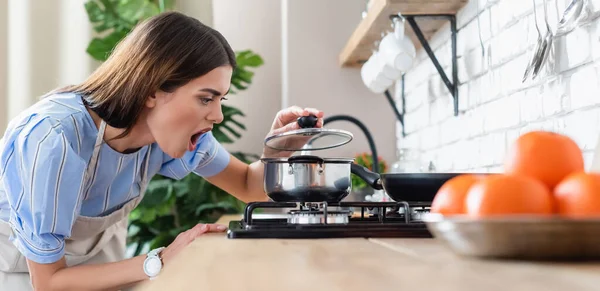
[164,52]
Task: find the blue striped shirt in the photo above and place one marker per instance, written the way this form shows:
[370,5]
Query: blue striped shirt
[43,156]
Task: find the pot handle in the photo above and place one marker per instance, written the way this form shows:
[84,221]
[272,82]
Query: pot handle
[305,159]
[371,178]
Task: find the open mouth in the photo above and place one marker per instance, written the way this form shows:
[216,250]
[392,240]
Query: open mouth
[194,138]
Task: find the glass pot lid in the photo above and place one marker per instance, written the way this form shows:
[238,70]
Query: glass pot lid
[308,137]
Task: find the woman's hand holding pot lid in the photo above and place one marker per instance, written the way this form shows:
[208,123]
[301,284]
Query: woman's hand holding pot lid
[287,120]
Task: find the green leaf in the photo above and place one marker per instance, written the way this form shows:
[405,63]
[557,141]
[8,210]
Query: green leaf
[157,193]
[135,214]
[159,224]
[254,61]
[158,185]
[221,136]
[134,11]
[231,111]
[240,125]
[241,77]
[165,208]
[149,11]
[249,58]
[205,207]
[238,84]
[246,76]
[164,5]
[219,129]
[98,49]
[181,188]
[148,215]
[232,131]
[108,4]
[105,19]
[101,48]
[161,5]
[94,12]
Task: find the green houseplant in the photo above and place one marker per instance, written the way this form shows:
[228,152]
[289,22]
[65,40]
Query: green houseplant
[171,206]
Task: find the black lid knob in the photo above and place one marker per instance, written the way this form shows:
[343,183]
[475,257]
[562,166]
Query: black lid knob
[307,121]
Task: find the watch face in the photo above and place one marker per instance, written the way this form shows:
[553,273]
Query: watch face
[152,266]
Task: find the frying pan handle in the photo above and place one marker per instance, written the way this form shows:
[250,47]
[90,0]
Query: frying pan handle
[371,178]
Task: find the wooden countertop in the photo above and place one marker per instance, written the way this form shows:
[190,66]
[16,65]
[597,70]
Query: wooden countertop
[213,262]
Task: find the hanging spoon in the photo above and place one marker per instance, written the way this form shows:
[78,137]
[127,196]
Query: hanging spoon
[546,46]
[537,49]
[570,17]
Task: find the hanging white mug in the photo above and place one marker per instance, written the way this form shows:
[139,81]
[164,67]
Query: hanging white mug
[385,68]
[373,74]
[398,53]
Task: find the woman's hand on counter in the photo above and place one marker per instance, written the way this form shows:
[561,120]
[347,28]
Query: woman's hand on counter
[186,237]
[117,275]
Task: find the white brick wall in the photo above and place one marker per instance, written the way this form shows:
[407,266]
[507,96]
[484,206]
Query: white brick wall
[495,105]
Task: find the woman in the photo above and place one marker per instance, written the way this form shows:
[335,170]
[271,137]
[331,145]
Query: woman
[77,162]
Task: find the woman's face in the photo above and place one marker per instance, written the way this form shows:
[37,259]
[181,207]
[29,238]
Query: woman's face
[177,120]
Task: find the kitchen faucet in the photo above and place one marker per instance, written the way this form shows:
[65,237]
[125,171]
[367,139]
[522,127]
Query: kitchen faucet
[365,131]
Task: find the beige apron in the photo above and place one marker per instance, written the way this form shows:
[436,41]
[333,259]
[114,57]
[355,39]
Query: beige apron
[93,240]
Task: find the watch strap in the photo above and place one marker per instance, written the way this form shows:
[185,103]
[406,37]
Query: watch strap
[155,251]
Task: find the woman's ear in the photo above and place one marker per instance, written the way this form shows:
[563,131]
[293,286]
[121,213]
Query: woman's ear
[151,101]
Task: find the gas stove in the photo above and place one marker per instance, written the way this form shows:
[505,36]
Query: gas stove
[332,220]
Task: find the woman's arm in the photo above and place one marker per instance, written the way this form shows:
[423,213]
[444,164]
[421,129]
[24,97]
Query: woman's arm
[241,180]
[244,181]
[108,276]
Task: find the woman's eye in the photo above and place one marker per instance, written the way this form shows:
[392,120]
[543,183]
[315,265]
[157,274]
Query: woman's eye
[206,100]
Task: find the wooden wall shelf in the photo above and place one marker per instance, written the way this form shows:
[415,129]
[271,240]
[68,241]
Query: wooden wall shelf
[359,47]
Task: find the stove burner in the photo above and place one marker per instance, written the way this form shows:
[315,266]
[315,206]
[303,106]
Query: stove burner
[330,220]
[318,217]
[417,210]
[311,206]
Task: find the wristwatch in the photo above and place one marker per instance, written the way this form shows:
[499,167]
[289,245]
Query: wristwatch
[153,263]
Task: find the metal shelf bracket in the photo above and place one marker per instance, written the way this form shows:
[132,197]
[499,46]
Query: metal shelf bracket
[399,115]
[452,86]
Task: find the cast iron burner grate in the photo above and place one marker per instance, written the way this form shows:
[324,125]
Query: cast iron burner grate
[376,219]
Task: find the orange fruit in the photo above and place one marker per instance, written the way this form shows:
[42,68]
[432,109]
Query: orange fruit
[578,195]
[508,195]
[450,198]
[543,155]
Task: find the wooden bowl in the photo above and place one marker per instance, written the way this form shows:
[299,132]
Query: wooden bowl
[522,237]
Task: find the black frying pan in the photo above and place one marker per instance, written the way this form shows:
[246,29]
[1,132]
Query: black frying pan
[410,187]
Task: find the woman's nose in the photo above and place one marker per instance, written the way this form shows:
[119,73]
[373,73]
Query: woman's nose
[216,115]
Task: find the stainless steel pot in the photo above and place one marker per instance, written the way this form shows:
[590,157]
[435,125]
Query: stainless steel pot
[307,178]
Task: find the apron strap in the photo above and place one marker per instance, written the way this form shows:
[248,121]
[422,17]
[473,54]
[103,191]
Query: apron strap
[96,152]
[145,177]
[89,172]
